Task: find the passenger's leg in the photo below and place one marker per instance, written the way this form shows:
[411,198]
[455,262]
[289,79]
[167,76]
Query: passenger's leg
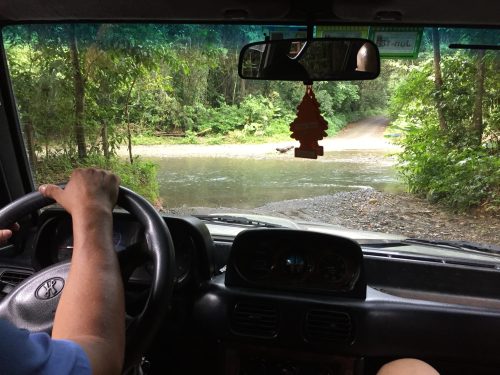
[407,366]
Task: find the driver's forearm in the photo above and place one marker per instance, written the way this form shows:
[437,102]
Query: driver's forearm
[91,310]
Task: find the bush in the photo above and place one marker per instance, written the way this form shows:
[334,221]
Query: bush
[141,176]
[460,178]
[255,115]
[190,138]
[451,165]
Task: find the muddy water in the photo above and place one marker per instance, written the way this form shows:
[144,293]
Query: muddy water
[249,183]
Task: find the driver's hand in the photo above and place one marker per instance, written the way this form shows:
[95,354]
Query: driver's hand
[5,234]
[88,190]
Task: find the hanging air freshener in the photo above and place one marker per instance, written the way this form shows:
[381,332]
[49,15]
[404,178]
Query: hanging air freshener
[309,127]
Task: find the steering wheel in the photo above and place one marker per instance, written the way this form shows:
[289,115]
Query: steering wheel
[32,304]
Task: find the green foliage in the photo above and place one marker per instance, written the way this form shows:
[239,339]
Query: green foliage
[155,80]
[450,165]
[160,80]
[141,176]
[149,139]
[190,138]
[461,178]
[254,115]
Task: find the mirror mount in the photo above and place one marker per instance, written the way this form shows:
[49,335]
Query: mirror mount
[310,31]
[310,36]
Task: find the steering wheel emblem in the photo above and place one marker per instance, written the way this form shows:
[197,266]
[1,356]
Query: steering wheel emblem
[50,288]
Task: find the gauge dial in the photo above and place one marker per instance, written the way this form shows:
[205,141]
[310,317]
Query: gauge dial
[65,250]
[296,264]
[334,268]
[184,255]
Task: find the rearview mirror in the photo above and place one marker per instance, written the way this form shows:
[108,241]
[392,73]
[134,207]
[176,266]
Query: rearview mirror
[325,59]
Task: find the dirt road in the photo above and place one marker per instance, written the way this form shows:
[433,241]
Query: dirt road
[367,134]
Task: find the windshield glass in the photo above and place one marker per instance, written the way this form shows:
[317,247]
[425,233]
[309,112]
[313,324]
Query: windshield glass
[413,153]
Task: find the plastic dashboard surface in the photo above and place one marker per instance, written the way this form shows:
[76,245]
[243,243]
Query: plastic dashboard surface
[447,314]
[299,261]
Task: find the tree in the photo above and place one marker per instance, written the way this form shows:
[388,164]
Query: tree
[438,79]
[477,123]
[453,165]
[79,89]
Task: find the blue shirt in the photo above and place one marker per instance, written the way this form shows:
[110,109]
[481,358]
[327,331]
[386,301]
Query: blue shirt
[23,353]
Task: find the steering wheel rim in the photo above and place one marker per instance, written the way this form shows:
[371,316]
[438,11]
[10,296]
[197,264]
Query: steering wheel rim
[159,249]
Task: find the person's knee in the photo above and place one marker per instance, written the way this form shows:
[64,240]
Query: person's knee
[407,366]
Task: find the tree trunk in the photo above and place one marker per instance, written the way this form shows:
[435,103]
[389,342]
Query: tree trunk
[242,88]
[235,78]
[105,141]
[30,144]
[233,99]
[127,116]
[438,79]
[477,122]
[79,87]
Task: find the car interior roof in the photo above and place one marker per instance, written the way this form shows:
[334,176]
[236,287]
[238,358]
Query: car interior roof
[443,12]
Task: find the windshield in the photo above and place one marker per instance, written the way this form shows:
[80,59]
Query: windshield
[413,153]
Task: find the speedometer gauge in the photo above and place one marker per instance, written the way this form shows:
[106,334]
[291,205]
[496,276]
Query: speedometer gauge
[65,249]
[334,268]
[185,249]
[60,241]
[296,264]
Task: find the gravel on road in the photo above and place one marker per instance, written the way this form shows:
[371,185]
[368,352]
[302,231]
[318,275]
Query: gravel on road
[371,210]
[402,214]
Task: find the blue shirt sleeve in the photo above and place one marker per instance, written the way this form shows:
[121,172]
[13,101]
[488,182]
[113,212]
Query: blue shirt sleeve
[25,353]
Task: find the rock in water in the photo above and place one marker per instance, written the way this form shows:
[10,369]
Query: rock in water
[283,150]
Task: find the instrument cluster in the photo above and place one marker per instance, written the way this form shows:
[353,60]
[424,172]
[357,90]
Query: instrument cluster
[295,260]
[54,243]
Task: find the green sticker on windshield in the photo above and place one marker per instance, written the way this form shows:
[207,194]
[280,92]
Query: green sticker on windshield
[286,32]
[403,43]
[342,32]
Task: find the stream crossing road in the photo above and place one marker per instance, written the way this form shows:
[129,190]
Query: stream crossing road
[367,134]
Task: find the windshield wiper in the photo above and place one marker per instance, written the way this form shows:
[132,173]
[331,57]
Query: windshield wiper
[491,47]
[456,245]
[227,219]
[462,245]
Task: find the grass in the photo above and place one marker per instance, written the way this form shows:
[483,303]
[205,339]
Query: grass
[335,124]
[141,176]
[231,138]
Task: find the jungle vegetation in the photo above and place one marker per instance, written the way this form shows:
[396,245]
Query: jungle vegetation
[83,90]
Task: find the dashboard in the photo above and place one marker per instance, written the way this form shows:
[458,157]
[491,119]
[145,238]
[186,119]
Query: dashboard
[283,301]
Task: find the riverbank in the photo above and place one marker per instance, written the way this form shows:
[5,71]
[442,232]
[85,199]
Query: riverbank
[362,136]
[363,209]
[372,210]
[401,213]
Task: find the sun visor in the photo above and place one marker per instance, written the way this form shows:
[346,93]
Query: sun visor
[214,10]
[459,12]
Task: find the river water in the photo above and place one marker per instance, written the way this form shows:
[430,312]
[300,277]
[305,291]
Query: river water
[249,183]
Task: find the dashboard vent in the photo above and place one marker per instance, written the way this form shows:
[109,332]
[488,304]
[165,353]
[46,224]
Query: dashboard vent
[324,325]
[255,320]
[13,277]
